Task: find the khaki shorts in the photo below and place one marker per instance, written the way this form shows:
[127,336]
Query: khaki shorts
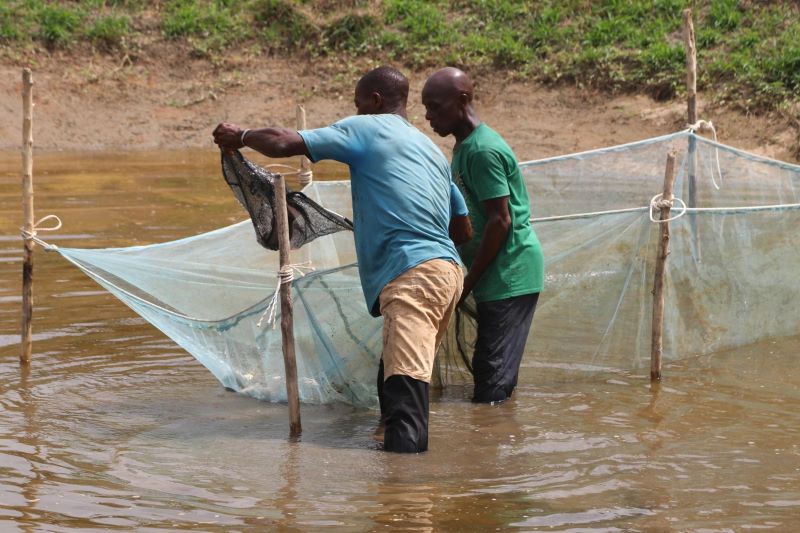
[416,308]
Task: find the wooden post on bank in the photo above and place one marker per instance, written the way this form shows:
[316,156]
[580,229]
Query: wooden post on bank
[27,214]
[691,112]
[656,342]
[287,320]
[304,175]
[691,66]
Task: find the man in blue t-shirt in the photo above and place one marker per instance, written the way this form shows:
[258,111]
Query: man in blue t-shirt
[405,210]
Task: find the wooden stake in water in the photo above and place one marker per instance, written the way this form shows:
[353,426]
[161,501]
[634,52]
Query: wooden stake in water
[305,174]
[656,344]
[27,214]
[691,104]
[287,320]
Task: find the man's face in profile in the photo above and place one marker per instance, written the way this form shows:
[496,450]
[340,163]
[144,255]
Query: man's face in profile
[442,111]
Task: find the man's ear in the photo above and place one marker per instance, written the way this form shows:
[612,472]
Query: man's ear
[464,102]
[377,99]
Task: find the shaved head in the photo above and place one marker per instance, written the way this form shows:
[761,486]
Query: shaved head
[449,81]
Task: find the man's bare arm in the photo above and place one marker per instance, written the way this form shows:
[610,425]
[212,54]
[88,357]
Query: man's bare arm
[272,142]
[498,224]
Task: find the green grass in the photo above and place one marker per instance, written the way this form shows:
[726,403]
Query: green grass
[109,30]
[281,26]
[57,25]
[12,23]
[63,24]
[210,26]
[749,54]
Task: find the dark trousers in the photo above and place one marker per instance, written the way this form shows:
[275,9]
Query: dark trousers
[404,412]
[503,327]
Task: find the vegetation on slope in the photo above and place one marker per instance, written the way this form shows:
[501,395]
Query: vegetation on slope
[748,51]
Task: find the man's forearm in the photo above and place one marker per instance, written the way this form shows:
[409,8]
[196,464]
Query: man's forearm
[494,237]
[276,142]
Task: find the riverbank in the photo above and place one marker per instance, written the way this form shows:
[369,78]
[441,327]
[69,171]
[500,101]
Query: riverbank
[167,101]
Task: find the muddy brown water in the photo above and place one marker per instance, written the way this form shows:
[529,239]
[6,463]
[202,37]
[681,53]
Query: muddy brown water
[114,427]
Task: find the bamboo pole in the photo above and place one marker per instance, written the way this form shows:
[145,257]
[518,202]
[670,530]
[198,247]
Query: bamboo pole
[691,112]
[27,214]
[656,342]
[305,174]
[287,320]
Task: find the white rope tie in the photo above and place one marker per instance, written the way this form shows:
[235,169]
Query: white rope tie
[588,215]
[305,176]
[657,202]
[31,235]
[291,170]
[684,209]
[702,126]
[285,275]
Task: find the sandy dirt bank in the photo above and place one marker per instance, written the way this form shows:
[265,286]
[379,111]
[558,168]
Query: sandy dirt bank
[100,103]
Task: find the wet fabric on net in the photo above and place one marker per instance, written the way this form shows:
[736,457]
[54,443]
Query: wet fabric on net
[731,276]
[253,186]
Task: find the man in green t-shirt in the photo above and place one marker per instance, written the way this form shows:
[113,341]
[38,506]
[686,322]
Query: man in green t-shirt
[504,257]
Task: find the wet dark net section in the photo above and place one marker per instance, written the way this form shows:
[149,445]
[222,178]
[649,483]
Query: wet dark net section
[254,188]
[453,363]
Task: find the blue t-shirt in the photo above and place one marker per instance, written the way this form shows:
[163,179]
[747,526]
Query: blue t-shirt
[402,191]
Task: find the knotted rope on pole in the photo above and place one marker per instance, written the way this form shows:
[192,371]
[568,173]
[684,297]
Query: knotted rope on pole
[286,275]
[31,235]
[304,176]
[703,126]
[657,203]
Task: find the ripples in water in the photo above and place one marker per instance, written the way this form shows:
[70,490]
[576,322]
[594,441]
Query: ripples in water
[116,428]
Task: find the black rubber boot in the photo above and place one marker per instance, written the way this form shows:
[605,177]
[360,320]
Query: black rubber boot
[406,415]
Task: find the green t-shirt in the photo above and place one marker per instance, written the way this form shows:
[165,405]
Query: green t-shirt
[485,167]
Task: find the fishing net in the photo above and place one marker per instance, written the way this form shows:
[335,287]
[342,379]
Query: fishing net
[731,276]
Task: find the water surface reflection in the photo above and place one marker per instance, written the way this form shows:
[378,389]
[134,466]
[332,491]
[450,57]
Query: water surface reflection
[116,428]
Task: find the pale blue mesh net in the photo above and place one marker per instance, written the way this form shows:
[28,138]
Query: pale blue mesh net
[731,278]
